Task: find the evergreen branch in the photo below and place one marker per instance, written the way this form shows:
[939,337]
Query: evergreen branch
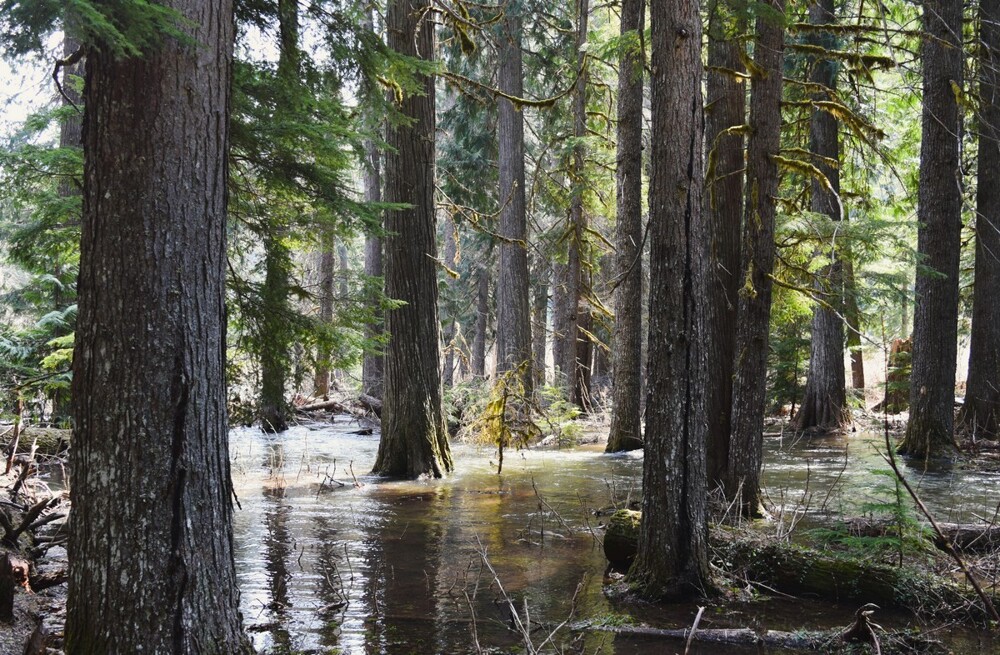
[66,63]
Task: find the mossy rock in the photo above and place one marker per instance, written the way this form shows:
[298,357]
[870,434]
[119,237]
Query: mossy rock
[621,538]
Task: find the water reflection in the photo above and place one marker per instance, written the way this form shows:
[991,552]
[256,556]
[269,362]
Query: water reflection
[333,561]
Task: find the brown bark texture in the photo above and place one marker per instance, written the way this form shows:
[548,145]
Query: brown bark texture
[414,437]
[151,540]
[450,322]
[980,415]
[513,315]
[824,401]
[626,428]
[482,323]
[672,561]
[939,212]
[752,325]
[540,316]
[725,107]
[373,363]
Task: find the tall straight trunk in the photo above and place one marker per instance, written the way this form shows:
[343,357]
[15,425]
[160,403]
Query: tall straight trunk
[482,323]
[725,107]
[824,402]
[560,318]
[742,480]
[151,528]
[980,415]
[450,323]
[513,315]
[626,430]
[373,363]
[571,363]
[672,558]
[852,316]
[321,378]
[539,328]
[276,339]
[939,212]
[414,437]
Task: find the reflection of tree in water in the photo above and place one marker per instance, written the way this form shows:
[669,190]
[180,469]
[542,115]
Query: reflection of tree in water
[402,556]
[335,577]
[278,549]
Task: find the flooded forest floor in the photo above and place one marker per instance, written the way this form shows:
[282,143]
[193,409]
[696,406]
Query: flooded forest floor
[333,560]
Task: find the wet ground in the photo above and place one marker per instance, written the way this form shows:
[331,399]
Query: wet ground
[331,559]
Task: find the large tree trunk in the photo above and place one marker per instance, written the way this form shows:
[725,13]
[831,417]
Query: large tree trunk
[725,107]
[626,430]
[513,315]
[824,402]
[151,528]
[745,450]
[672,561]
[980,415]
[373,364]
[939,212]
[570,307]
[414,437]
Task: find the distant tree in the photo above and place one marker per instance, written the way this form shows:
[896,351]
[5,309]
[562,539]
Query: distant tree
[742,481]
[930,428]
[980,414]
[824,403]
[626,430]
[513,315]
[151,528]
[321,374]
[414,438]
[725,112]
[672,560]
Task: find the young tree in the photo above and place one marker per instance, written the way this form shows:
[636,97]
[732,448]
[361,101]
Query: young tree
[824,403]
[414,438]
[939,212]
[513,317]
[757,262]
[725,109]
[980,415]
[626,431]
[672,560]
[151,528]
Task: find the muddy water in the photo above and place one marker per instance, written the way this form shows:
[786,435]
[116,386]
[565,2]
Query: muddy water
[331,559]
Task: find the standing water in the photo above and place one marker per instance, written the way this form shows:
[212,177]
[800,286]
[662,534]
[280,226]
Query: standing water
[331,559]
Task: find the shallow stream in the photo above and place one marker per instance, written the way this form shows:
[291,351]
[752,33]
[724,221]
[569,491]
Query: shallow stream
[331,559]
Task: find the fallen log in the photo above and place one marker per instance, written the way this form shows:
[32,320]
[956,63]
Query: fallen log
[325,405]
[48,441]
[371,403]
[963,537]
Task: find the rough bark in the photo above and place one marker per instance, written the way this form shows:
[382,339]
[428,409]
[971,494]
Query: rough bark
[151,541]
[725,107]
[672,560]
[373,364]
[414,437]
[980,415]
[321,377]
[626,430]
[539,328]
[745,452]
[513,315]
[939,212]
[824,401]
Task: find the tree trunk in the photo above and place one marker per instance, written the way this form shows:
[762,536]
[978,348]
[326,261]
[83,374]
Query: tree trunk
[570,363]
[539,329]
[824,401]
[852,315]
[151,528]
[450,323]
[373,364]
[725,107]
[482,321]
[414,437]
[513,315]
[321,379]
[980,415]
[939,212]
[672,561]
[745,452]
[626,430]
